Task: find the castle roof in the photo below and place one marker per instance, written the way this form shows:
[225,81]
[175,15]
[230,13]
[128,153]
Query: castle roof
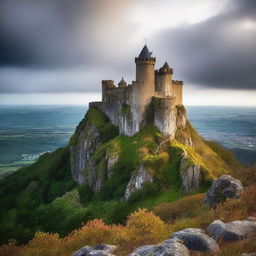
[166,66]
[165,69]
[145,53]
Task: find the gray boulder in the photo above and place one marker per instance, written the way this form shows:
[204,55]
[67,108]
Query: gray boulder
[222,188]
[97,250]
[231,231]
[196,240]
[171,247]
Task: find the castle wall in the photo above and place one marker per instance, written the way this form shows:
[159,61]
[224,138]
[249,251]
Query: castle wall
[116,104]
[177,87]
[165,115]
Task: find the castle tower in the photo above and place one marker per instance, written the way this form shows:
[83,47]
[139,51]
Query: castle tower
[122,83]
[144,87]
[164,80]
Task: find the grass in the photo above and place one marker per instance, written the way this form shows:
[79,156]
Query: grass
[169,195]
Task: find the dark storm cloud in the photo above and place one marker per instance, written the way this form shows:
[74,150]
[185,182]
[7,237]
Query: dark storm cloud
[70,45]
[219,52]
[54,33]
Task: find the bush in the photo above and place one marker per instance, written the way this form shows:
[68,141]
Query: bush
[143,227]
[148,189]
[10,249]
[43,244]
[235,209]
[93,233]
[108,132]
[185,207]
[85,193]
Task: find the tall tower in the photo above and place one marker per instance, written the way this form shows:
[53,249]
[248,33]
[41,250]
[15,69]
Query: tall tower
[144,87]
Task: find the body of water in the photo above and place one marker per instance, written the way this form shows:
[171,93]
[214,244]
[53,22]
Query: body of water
[26,132]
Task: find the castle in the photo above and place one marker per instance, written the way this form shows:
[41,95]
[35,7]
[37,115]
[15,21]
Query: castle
[152,98]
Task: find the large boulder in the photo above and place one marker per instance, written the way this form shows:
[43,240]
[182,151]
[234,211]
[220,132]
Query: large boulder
[232,231]
[171,247]
[222,188]
[97,250]
[196,240]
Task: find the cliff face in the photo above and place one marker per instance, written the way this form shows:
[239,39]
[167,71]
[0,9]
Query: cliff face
[92,131]
[102,159]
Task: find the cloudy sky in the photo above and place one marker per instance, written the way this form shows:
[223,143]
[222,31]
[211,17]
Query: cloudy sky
[58,51]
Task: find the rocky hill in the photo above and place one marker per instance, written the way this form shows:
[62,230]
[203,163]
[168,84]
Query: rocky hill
[103,174]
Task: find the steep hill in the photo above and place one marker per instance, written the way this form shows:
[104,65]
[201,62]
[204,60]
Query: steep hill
[114,174]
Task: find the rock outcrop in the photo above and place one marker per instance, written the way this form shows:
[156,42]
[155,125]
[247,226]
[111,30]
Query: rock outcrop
[232,231]
[196,240]
[222,188]
[88,139]
[136,181]
[86,168]
[171,247]
[190,174]
[98,250]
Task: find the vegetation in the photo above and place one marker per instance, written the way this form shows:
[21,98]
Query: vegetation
[44,197]
[30,187]
[143,227]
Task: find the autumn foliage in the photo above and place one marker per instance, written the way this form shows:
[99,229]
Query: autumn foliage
[142,227]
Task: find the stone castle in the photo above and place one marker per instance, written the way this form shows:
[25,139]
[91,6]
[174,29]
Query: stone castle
[152,98]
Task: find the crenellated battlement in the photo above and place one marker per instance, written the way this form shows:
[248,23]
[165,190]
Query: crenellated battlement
[177,82]
[108,84]
[145,61]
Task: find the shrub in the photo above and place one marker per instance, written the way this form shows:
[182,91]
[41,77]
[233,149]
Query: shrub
[10,249]
[143,227]
[93,233]
[185,207]
[85,193]
[235,209]
[108,132]
[238,248]
[148,189]
[43,244]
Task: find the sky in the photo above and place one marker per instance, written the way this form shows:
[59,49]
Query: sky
[58,51]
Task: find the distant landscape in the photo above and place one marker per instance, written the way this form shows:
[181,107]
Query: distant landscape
[26,132]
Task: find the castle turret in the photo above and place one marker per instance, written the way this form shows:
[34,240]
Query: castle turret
[144,87]
[164,80]
[122,83]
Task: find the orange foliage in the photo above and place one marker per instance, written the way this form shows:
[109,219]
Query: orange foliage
[142,227]
[237,209]
[43,244]
[93,233]
[10,249]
